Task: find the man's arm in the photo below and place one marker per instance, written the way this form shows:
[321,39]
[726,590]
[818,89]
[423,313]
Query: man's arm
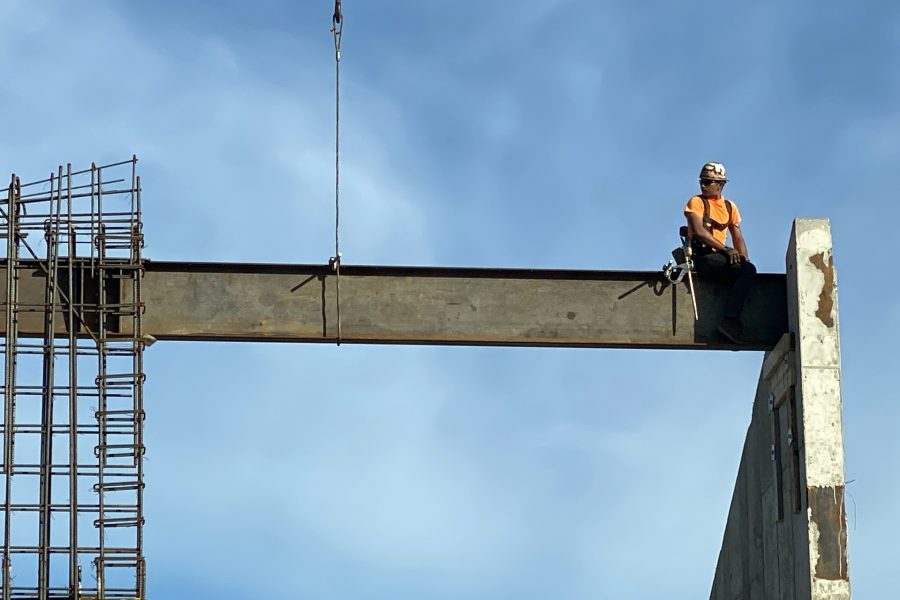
[700,232]
[739,244]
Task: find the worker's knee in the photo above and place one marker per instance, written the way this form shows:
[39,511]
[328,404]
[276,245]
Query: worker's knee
[748,268]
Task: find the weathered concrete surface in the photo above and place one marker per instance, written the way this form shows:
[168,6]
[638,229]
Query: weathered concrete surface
[421,305]
[786,535]
[813,317]
[764,549]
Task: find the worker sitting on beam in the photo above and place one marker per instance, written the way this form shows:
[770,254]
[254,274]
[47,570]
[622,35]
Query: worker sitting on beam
[710,218]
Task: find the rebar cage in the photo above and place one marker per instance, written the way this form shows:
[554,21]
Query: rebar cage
[72,425]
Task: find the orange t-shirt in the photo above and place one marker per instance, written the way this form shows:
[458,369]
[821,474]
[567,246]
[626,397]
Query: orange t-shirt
[717,212]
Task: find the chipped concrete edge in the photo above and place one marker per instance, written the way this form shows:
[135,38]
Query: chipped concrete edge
[813,321]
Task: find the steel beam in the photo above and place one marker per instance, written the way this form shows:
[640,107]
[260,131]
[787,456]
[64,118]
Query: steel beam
[423,305]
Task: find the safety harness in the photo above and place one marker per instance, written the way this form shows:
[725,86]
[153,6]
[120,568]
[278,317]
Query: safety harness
[710,225]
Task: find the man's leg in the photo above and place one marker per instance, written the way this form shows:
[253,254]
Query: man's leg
[716,266]
[744,273]
[713,266]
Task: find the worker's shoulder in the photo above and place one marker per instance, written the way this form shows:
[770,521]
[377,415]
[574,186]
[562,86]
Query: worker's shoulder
[734,215]
[694,200]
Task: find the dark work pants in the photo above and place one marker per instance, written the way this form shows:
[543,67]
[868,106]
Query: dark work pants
[715,266]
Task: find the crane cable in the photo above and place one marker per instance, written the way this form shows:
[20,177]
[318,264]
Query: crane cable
[337,26]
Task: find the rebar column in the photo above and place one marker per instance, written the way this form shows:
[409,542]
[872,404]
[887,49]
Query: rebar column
[89,284]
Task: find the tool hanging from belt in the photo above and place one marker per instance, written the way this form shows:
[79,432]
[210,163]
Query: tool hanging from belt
[675,270]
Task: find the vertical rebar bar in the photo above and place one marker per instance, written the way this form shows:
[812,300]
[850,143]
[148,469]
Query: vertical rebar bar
[99,243]
[139,342]
[49,377]
[9,395]
[73,393]
[93,212]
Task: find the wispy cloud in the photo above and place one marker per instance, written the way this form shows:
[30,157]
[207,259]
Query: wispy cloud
[562,134]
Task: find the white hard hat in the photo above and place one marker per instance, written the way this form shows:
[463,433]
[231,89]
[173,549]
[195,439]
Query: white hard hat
[713,171]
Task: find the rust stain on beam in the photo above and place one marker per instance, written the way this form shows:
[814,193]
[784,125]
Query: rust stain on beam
[827,513]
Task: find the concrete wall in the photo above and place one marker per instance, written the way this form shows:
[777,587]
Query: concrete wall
[786,534]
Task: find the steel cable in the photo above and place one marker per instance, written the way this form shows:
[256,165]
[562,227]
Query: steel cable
[337,25]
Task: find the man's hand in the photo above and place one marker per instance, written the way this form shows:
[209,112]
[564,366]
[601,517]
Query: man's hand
[733,256]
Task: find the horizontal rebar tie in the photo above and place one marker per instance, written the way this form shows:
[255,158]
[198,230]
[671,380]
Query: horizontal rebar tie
[88,508]
[131,376]
[118,522]
[118,450]
[118,486]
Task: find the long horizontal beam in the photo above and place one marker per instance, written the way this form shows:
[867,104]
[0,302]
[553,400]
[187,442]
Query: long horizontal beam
[424,305]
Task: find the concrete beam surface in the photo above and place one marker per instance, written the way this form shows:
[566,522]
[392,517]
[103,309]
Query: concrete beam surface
[424,305]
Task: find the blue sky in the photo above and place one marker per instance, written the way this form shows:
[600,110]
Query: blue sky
[541,133]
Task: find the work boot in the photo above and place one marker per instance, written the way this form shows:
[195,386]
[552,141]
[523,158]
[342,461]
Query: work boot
[732,329]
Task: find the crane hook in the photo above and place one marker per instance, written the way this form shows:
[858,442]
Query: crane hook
[337,26]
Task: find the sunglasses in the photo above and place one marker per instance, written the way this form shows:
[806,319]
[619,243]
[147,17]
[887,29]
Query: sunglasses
[711,181]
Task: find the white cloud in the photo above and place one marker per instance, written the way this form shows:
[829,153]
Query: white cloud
[511,142]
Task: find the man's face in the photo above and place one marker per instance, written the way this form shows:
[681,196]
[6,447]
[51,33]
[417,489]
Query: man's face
[711,188]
